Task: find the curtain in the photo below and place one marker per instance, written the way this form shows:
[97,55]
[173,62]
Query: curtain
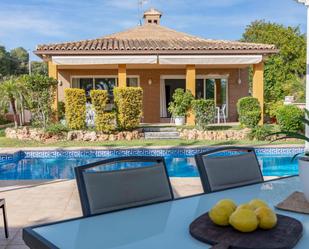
[163,111]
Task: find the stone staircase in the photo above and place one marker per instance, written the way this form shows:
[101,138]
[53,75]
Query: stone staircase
[161,133]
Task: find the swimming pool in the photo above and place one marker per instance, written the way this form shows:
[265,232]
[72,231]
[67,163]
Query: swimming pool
[59,164]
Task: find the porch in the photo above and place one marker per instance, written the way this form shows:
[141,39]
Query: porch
[223,83]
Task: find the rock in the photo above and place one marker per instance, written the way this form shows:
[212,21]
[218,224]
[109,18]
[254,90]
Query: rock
[112,137]
[79,135]
[120,135]
[129,136]
[214,135]
[103,137]
[90,136]
[10,133]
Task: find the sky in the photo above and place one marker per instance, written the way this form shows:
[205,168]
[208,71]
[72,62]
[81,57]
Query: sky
[28,23]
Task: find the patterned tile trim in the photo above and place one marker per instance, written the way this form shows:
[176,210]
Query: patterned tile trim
[145,152]
[7,158]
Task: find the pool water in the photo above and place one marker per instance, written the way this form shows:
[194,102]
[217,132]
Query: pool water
[178,166]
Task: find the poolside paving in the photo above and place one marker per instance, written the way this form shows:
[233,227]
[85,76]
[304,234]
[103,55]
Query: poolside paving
[36,202]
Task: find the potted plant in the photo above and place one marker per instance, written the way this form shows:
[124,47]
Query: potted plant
[180,105]
[303,161]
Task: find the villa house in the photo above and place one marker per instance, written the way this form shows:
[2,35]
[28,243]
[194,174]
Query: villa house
[159,60]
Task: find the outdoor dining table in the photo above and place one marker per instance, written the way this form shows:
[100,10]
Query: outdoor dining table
[162,225]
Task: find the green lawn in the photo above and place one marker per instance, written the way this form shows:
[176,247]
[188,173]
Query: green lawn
[5,142]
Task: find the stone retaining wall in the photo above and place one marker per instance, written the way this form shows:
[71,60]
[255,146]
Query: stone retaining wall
[214,135]
[27,133]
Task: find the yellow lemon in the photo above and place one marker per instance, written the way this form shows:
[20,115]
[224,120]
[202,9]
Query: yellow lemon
[267,217]
[257,203]
[245,206]
[220,215]
[244,220]
[227,202]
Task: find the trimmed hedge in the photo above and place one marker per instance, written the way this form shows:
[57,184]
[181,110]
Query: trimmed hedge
[128,102]
[103,121]
[75,108]
[249,111]
[289,118]
[204,111]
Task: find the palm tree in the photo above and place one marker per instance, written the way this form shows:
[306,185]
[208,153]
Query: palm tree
[11,94]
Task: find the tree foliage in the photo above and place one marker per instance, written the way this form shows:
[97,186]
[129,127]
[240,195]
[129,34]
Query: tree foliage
[283,72]
[15,62]
[12,95]
[39,98]
[181,102]
[39,67]
[19,61]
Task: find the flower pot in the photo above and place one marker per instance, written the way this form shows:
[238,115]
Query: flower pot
[179,121]
[303,167]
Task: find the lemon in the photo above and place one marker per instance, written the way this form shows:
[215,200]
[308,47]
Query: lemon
[245,206]
[220,215]
[257,203]
[244,220]
[267,217]
[227,202]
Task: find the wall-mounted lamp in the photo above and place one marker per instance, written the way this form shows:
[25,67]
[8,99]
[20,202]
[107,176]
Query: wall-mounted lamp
[239,76]
[60,83]
[149,81]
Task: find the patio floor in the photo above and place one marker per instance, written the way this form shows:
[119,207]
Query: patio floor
[35,202]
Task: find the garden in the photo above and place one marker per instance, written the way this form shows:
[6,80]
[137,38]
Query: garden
[71,125]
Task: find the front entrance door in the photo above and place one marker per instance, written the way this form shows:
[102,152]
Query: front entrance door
[170,85]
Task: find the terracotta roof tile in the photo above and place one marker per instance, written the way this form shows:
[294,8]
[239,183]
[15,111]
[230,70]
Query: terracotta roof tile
[152,38]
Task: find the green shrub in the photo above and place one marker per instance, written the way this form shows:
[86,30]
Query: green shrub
[3,120]
[272,108]
[57,128]
[128,102]
[204,111]
[61,110]
[75,108]
[39,95]
[181,103]
[289,118]
[260,132]
[249,111]
[103,121]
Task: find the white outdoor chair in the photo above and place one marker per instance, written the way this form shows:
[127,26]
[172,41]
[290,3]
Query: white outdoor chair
[220,114]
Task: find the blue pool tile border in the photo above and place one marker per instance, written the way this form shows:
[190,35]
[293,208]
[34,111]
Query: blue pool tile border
[89,153]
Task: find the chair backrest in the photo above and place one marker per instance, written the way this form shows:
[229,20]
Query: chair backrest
[223,108]
[121,183]
[233,167]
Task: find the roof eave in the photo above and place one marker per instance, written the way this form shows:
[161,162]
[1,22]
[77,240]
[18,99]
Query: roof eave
[41,53]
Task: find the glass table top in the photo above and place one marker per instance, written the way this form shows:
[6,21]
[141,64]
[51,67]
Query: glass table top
[164,225]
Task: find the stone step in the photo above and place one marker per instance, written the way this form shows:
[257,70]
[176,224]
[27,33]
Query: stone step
[161,135]
[160,129]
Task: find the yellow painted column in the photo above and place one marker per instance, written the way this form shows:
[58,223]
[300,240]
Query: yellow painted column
[258,86]
[53,73]
[122,75]
[190,85]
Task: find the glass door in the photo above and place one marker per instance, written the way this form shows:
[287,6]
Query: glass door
[213,88]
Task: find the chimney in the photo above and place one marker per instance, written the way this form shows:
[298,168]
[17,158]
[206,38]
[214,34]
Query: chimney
[152,16]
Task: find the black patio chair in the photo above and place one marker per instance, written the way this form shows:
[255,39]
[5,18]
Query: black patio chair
[220,170]
[111,185]
[2,206]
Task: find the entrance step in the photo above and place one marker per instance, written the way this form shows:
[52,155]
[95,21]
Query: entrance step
[160,129]
[162,135]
